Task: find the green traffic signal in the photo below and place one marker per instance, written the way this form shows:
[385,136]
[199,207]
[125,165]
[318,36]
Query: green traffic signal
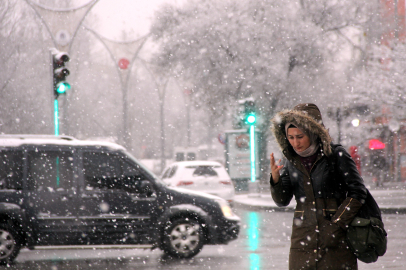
[62,87]
[60,72]
[251,119]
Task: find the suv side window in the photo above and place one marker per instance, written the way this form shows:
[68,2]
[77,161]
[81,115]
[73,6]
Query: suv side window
[101,170]
[52,170]
[11,169]
[129,170]
[110,171]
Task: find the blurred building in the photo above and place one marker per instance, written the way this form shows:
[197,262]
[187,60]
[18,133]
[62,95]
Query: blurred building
[384,147]
[393,13]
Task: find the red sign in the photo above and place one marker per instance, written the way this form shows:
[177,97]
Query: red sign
[242,141]
[221,138]
[375,144]
[123,63]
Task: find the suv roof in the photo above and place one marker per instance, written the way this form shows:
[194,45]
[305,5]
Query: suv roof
[43,139]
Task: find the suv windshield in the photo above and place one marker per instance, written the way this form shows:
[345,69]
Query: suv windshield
[156,178]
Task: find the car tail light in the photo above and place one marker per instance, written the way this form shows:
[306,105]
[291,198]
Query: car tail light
[225,182]
[184,183]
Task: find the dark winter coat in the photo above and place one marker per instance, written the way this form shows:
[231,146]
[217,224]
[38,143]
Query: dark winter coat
[327,198]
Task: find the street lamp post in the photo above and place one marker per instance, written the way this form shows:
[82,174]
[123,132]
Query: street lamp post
[161,94]
[187,93]
[338,118]
[116,49]
[161,88]
[338,115]
[62,37]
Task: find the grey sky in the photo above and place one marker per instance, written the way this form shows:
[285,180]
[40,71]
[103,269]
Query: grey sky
[133,17]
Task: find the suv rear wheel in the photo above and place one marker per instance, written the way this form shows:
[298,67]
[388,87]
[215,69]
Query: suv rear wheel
[183,238]
[10,244]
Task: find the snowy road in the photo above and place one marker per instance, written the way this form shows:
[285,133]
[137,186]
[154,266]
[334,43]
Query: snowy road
[263,244]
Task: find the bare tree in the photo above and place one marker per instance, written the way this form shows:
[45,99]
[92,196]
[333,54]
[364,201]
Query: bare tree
[279,52]
[21,79]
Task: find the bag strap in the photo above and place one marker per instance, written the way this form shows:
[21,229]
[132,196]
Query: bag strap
[370,208]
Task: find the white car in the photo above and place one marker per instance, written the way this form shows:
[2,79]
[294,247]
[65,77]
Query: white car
[206,176]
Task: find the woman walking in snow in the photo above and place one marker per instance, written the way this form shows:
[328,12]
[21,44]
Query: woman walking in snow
[327,187]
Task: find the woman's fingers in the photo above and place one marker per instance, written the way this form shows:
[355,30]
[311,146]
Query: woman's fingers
[272,159]
[275,167]
[278,167]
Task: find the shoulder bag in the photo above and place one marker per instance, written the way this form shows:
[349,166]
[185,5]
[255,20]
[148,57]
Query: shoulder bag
[366,235]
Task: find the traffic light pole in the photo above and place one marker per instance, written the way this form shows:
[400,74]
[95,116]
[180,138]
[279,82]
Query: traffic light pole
[56,117]
[252,153]
[253,185]
[59,84]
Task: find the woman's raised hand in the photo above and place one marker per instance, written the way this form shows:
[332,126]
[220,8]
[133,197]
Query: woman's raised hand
[275,168]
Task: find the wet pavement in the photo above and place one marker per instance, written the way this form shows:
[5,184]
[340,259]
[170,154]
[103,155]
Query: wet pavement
[263,244]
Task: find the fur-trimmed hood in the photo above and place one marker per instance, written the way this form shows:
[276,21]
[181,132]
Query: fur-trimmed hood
[306,116]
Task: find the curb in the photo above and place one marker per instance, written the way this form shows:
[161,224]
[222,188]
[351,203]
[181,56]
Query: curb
[260,206]
[393,210]
[384,210]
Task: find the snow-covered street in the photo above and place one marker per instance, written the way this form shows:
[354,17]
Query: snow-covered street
[263,244]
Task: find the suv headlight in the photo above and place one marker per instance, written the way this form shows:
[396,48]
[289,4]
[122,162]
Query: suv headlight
[225,208]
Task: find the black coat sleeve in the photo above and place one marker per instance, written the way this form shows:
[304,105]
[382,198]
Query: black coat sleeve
[282,192]
[349,175]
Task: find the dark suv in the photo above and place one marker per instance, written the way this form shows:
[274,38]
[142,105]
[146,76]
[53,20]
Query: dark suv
[59,191]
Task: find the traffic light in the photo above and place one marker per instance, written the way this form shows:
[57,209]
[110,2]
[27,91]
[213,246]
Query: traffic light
[60,72]
[246,114]
[251,119]
[250,112]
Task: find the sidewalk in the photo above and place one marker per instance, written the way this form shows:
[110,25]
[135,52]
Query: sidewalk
[391,199]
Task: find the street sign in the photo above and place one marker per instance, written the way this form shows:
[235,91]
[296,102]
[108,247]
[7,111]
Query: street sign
[62,37]
[238,155]
[123,63]
[221,138]
[375,144]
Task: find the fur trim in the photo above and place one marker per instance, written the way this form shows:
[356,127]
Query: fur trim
[303,120]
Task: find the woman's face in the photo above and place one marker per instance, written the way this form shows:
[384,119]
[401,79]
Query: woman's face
[298,139]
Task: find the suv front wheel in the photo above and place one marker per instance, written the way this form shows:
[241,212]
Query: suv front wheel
[10,244]
[183,238]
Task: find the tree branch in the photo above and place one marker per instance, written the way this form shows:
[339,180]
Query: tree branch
[9,79]
[350,41]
